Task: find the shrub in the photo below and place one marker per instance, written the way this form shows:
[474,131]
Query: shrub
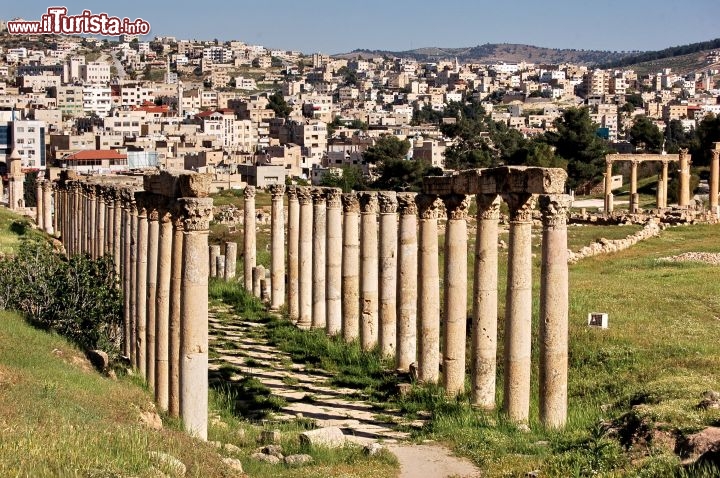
[76,297]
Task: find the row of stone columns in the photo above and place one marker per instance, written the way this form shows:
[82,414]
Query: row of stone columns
[365,266]
[157,236]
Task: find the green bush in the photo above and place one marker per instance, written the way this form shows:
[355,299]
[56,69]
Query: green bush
[76,297]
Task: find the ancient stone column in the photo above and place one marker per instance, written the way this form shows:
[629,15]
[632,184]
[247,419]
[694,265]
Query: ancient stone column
[685,162]
[47,207]
[92,221]
[407,282]
[56,202]
[75,217]
[554,311]
[150,299]
[127,321]
[277,240]
[194,317]
[214,253]
[319,235]
[305,258]
[665,183]
[368,270]
[141,282]
[518,308]
[350,267]
[132,281]
[249,251]
[162,309]
[117,244]
[715,178]
[99,243]
[230,260]
[220,266]
[293,238]
[428,309]
[39,218]
[176,271]
[608,186]
[333,275]
[39,207]
[660,192]
[258,274]
[387,313]
[634,206]
[455,303]
[485,310]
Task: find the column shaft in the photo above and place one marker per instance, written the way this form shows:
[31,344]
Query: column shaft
[141,287]
[518,309]
[48,207]
[368,270]
[249,251]
[685,196]
[407,281]
[230,260]
[485,312]
[665,183]
[151,297]
[554,312]
[162,311]
[194,317]
[305,258]
[428,309]
[455,303]
[714,179]
[212,260]
[333,276]
[350,268]
[387,285]
[319,237]
[293,238]
[174,324]
[277,239]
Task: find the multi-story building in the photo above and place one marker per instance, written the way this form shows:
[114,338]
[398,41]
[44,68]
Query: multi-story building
[28,138]
[597,83]
[97,100]
[95,72]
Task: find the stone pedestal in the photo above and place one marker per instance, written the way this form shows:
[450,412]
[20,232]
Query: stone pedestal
[194,317]
[407,283]
[305,258]
[277,256]
[485,311]
[455,303]
[368,270]
[249,251]
[293,238]
[351,267]
[554,312]
[428,309]
[220,266]
[387,313]
[230,260]
[319,237]
[333,277]
[518,309]
[258,274]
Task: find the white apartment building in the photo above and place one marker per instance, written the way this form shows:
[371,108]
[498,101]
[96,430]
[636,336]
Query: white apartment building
[29,140]
[97,100]
[95,72]
[135,95]
[218,54]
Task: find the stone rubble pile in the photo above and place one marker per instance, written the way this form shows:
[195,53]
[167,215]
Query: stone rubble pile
[606,246]
[712,258]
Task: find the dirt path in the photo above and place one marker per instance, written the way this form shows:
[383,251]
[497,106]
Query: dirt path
[307,392]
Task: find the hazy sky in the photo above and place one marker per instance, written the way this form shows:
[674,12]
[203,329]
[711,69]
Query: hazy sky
[335,26]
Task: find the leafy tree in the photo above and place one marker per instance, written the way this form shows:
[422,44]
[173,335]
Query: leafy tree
[403,175]
[707,133]
[350,77]
[350,179]
[277,103]
[576,141]
[645,134]
[387,148]
[676,137]
[426,115]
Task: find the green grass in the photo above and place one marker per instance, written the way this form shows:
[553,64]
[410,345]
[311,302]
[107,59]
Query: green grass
[14,229]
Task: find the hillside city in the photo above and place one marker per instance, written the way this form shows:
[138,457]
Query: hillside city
[252,115]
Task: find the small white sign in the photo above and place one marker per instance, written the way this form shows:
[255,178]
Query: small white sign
[598,319]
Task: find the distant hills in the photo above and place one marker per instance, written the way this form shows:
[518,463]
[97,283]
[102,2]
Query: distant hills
[511,53]
[494,52]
